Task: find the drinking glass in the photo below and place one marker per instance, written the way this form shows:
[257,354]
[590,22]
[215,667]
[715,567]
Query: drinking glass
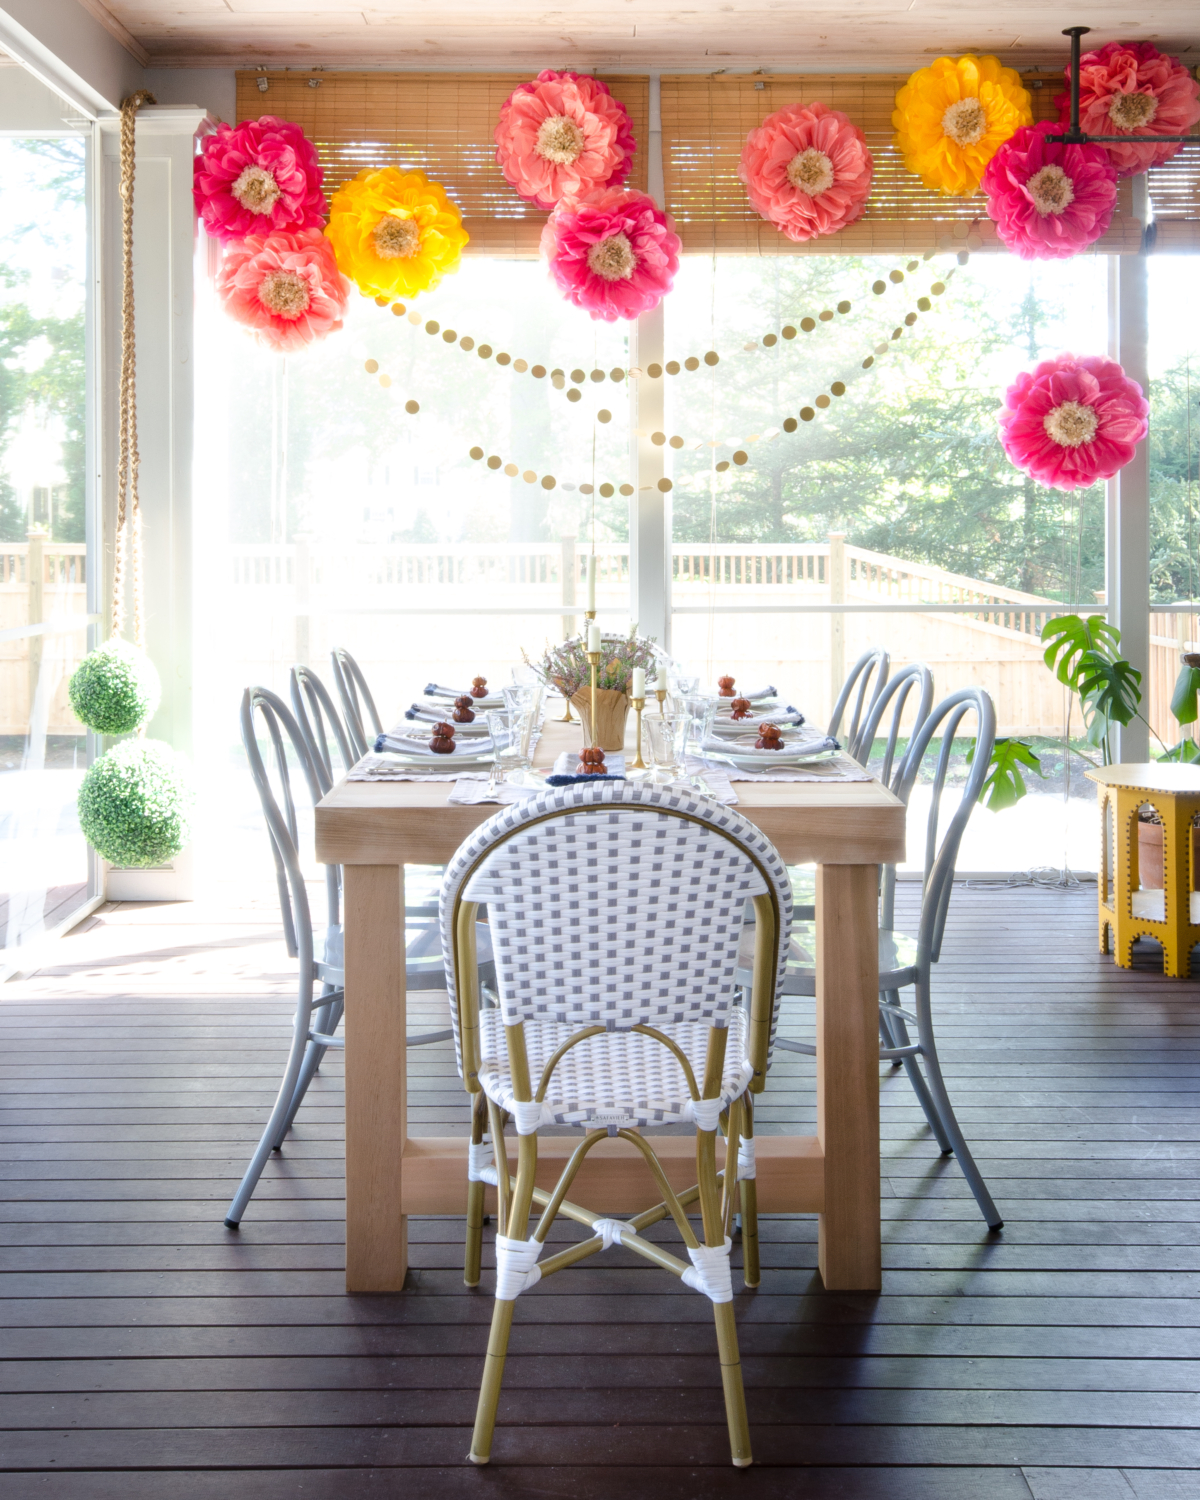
[701,710]
[668,741]
[512,734]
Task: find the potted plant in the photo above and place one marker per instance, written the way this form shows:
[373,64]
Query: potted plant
[567,669]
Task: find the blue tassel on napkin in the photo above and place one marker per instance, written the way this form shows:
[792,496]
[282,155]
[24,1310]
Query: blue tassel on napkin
[575,780]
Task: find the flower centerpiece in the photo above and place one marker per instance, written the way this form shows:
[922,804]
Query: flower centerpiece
[1049,200]
[563,135]
[1133,88]
[614,254]
[953,116]
[1073,420]
[566,669]
[395,233]
[807,170]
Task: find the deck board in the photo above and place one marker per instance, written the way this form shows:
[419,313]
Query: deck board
[147,1352]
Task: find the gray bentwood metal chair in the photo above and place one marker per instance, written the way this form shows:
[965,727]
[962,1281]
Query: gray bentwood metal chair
[616,915]
[906,962]
[870,665]
[350,682]
[321,988]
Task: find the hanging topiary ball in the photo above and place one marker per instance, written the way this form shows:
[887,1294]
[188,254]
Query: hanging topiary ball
[115,688]
[134,804]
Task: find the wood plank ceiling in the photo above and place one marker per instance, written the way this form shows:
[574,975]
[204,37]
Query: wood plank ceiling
[777,35]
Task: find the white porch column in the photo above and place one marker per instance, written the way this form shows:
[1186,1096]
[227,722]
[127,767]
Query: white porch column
[163,271]
[1127,510]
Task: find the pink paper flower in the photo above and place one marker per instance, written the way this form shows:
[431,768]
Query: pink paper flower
[1133,87]
[563,136]
[807,170]
[1049,201]
[1075,419]
[286,287]
[615,253]
[257,177]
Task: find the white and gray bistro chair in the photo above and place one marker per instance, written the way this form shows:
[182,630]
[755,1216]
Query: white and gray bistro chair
[906,962]
[868,675]
[320,999]
[616,915]
[363,724]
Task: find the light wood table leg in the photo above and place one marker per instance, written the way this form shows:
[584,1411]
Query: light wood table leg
[376,1083]
[849,1252]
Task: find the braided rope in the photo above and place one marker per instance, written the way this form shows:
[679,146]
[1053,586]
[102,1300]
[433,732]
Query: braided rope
[128,459]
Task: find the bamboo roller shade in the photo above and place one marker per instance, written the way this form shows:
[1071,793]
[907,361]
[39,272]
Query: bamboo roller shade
[442,123]
[1175,194]
[705,123]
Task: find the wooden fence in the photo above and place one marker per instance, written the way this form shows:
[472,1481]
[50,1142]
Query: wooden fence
[40,580]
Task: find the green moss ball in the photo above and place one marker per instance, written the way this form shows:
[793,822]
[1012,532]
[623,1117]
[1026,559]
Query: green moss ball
[134,804]
[115,688]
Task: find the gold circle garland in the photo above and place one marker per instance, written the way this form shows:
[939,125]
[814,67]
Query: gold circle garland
[740,457]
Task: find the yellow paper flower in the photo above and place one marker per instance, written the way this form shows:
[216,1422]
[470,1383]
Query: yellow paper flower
[952,117]
[395,233]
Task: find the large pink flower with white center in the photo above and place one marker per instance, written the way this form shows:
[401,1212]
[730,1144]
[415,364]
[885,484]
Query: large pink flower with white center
[615,253]
[563,136]
[285,287]
[1075,419]
[1132,87]
[1049,200]
[807,170]
[257,177]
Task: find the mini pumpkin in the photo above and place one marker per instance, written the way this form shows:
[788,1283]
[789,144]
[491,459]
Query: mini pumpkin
[479,687]
[591,762]
[442,742]
[726,686]
[463,713]
[741,708]
[769,738]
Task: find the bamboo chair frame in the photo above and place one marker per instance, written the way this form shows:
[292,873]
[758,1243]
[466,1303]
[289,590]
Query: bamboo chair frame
[715,1190]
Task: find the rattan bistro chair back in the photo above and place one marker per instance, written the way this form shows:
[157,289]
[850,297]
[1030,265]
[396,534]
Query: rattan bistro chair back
[616,913]
[868,675]
[362,717]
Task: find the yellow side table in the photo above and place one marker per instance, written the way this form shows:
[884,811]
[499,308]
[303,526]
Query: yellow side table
[1171,915]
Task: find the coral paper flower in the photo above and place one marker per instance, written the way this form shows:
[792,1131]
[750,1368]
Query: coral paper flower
[952,117]
[807,170]
[256,177]
[1133,87]
[1075,419]
[1049,200]
[286,287]
[563,136]
[615,253]
[395,233]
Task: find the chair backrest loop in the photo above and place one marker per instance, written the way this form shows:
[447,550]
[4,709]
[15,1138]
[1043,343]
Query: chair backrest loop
[318,718]
[870,665]
[350,682]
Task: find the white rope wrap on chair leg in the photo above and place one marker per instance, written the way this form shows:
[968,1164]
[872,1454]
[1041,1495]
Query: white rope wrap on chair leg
[710,1272]
[527,1114]
[707,1113]
[746,1167]
[612,1231]
[516,1267]
[481,1163]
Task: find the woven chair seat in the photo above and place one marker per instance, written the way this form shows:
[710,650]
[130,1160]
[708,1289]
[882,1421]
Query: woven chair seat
[621,1078]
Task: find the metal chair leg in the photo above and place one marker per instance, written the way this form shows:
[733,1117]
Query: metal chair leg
[275,1125]
[325,1019]
[898,1030]
[941,1099]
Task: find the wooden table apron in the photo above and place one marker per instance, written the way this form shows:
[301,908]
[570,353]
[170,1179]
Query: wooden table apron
[374,829]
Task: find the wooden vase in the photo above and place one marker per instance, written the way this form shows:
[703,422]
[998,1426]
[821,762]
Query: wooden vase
[612,709]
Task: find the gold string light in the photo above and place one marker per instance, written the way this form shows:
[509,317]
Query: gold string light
[740,457]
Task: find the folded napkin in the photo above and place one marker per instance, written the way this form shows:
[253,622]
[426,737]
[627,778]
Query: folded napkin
[401,744]
[840,768]
[471,789]
[436,690]
[563,772]
[422,713]
[798,745]
[782,717]
[756,695]
[386,768]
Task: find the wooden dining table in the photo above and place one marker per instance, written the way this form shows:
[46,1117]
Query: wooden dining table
[847,828]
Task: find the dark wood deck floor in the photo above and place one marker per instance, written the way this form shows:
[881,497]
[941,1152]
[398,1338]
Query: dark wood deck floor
[147,1352]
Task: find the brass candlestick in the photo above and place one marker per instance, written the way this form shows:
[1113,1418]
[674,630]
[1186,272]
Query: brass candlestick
[661,695]
[594,659]
[639,704]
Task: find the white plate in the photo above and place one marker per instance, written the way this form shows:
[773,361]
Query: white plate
[465,760]
[748,759]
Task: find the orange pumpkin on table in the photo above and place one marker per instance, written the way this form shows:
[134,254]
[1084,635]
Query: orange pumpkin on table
[769,738]
[442,742]
[726,686]
[479,687]
[591,762]
[463,713]
[741,708]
